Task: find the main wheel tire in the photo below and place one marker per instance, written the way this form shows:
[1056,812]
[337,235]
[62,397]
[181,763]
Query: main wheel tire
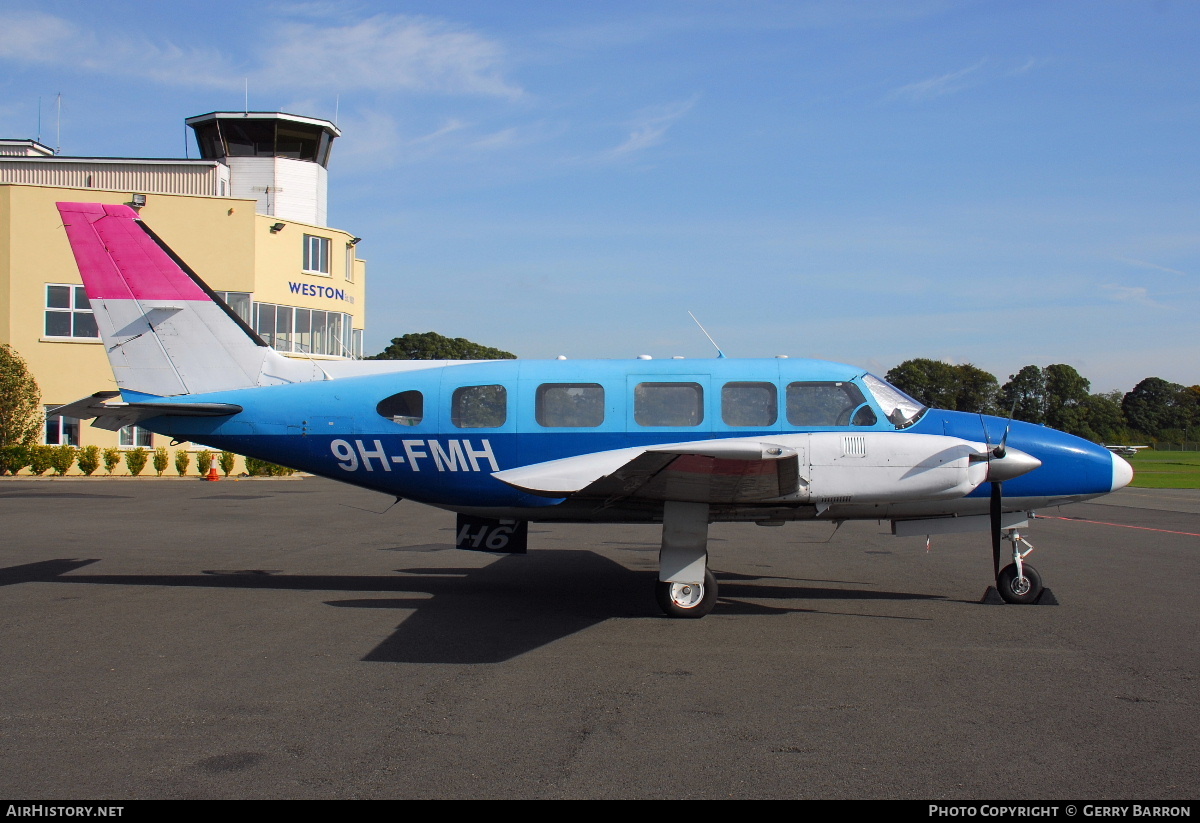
[1019,590]
[687,600]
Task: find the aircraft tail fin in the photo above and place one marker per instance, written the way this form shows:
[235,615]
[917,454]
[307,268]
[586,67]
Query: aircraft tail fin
[165,331]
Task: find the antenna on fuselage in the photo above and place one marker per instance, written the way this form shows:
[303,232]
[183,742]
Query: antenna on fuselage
[709,336]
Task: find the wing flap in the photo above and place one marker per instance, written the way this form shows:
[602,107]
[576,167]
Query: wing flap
[712,471]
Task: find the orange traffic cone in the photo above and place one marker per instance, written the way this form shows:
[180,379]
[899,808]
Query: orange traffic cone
[212,470]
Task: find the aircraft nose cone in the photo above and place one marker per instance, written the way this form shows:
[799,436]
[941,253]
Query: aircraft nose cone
[1122,472]
[1014,463]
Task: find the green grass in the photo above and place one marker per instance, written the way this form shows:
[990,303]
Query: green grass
[1165,470]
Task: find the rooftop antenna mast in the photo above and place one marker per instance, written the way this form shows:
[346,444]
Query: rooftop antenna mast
[39,137]
[247,108]
[337,102]
[58,128]
[720,353]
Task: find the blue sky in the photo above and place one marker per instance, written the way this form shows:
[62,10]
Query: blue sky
[1000,183]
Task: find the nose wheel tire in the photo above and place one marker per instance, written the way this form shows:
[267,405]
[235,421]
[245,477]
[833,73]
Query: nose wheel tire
[1020,590]
[687,600]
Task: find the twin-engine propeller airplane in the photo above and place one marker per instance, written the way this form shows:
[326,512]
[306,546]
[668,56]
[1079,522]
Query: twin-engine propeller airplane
[683,443]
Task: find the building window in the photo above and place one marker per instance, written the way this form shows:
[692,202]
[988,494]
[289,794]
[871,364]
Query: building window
[61,431]
[134,436]
[316,254]
[68,312]
[307,331]
[240,302]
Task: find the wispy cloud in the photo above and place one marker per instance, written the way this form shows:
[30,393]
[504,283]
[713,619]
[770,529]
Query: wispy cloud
[38,39]
[1130,294]
[1029,65]
[650,127]
[1142,264]
[382,53]
[943,84]
[449,127]
[388,53]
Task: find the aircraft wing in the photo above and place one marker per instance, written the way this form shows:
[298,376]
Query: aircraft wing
[735,470]
[113,416]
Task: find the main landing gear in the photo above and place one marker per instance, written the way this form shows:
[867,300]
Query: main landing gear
[685,587]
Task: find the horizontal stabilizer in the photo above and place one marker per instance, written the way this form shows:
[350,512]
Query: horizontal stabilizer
[112,416]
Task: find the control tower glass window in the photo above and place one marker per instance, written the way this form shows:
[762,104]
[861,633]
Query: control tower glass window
[252,138]
[300,144]
[208,136]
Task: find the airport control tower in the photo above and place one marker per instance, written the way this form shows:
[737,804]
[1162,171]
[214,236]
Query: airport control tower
[280,160]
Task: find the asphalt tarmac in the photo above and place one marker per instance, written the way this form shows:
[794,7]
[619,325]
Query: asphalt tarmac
[300,639]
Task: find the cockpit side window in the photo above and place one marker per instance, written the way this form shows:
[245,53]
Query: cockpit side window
[479,407]
[406,408]
[827,404]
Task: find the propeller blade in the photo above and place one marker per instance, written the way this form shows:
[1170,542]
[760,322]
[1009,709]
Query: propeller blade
[995,513]
[1002,450]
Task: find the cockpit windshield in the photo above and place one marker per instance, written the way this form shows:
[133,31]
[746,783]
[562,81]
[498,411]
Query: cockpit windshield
[901,409]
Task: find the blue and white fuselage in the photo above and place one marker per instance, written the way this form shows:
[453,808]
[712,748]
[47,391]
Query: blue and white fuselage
[336,430]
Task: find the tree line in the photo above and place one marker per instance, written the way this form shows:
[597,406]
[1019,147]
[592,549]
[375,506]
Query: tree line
[1058,396]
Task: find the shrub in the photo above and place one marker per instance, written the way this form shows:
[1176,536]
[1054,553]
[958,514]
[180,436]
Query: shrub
[182,459]
[21,417]
[135,460]
[89,459]
[13,458]
[261,468]
[226,462]
[112,456]
[203,461]
[161,460]
[62,458]
[40,459]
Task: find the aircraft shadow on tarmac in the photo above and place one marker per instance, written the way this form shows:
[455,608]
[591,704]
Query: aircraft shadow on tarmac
[490,614]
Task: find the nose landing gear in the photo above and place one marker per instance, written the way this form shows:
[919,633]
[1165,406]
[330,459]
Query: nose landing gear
[1019,583]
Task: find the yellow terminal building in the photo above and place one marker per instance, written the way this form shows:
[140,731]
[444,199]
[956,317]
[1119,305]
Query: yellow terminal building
[248,216]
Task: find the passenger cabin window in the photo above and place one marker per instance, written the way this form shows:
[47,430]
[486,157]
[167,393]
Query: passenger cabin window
[406,408]
[479,407]
[749,404]
[668,404]
[570,405]
[827,404]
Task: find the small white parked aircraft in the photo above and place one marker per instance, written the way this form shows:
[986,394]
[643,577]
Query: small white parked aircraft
[1126,451]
